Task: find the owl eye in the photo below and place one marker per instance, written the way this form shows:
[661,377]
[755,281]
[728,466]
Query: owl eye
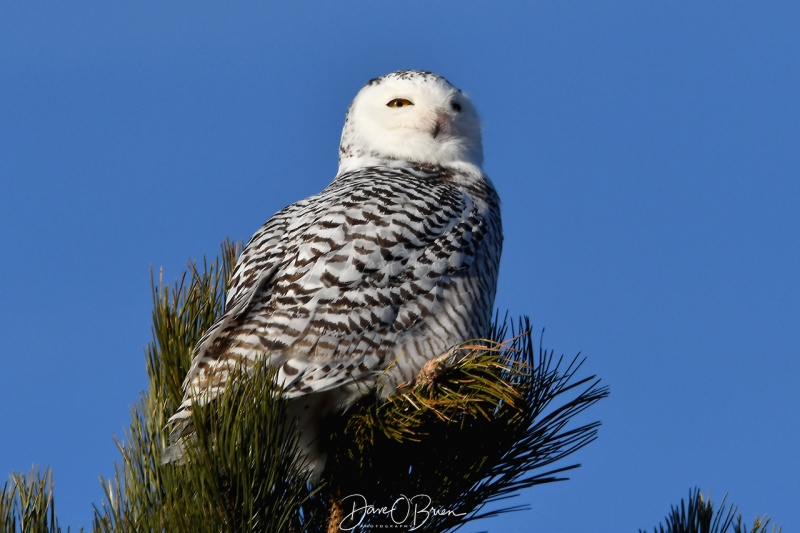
[400,102]
[456,107]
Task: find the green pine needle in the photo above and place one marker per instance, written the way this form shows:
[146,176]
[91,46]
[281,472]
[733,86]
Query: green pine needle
[498,417]
[26,503]
[492,424]
[697,515]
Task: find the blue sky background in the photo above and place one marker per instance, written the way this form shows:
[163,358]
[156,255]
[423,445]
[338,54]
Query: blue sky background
[647,155]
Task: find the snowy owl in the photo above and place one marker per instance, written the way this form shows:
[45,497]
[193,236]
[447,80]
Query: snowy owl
[389,267]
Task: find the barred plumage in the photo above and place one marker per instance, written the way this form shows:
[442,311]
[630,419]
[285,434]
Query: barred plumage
[392,265]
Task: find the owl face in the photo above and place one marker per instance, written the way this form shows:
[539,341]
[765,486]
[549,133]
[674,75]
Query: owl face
[411,116]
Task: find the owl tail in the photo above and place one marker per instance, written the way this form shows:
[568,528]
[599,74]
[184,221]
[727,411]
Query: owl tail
[179,437]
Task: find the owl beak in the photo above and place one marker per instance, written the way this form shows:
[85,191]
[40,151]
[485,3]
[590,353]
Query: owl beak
[441,124]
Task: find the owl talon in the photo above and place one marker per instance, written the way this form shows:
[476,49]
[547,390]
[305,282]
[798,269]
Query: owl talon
[432,370]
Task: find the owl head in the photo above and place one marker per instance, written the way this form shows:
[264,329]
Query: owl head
[412,116]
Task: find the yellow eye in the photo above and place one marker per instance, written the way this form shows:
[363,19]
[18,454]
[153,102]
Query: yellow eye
[400,102]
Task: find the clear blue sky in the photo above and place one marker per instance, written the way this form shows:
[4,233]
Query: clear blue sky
[647,155]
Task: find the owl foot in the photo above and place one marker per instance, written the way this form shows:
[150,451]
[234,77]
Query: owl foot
[432,370]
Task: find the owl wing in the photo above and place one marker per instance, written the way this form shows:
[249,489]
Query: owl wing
[371,270]
[329,282]
[254,271]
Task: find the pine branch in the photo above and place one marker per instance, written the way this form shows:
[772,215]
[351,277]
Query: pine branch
[497,420]
[479,433]
[26,503]
[698,516]
[240,473]
[494,422]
